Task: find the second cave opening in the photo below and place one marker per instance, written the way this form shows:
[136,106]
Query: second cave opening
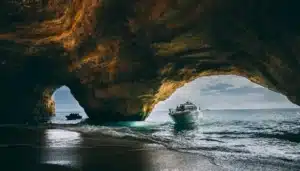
[65,103]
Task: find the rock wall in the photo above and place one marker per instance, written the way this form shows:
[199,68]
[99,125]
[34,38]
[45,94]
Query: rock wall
[120,58]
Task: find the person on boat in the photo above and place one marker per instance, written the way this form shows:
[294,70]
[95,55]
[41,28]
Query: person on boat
[181,107]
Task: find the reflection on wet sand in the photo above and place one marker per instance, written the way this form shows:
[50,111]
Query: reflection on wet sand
[56,149]
[61,148]
[91,152]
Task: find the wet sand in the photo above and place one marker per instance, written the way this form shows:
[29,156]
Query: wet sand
[56,149]
[33,150]
[148,160]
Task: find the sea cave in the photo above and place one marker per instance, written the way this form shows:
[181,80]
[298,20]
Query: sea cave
[119,65]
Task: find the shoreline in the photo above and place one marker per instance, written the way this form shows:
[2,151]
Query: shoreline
[41,148]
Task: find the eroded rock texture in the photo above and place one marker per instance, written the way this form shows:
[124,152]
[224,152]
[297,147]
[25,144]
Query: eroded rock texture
[120,58]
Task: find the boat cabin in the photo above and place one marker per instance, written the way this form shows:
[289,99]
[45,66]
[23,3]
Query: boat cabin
[190,107]
[186,106]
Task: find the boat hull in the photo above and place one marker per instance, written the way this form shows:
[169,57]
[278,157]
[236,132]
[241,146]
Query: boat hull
[185,117]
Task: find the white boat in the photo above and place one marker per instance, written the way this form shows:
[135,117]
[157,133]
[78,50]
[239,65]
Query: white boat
[185,113]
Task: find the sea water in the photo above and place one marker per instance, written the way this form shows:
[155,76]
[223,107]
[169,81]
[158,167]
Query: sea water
[266,139]
[268,135]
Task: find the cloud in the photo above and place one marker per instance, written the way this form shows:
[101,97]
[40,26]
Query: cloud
[218,87]
[244,91]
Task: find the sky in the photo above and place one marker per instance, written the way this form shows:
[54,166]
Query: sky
[65,101]
[226,92]
[213,92]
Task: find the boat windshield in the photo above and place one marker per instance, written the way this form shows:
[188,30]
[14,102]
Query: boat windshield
[190,107]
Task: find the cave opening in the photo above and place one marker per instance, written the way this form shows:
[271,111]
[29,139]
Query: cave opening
[222,92]
[66,103]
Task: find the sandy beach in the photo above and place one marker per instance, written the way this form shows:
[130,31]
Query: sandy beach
[58,149]
[35,152]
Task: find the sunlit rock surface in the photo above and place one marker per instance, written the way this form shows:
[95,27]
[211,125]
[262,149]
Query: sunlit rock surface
[120,58]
